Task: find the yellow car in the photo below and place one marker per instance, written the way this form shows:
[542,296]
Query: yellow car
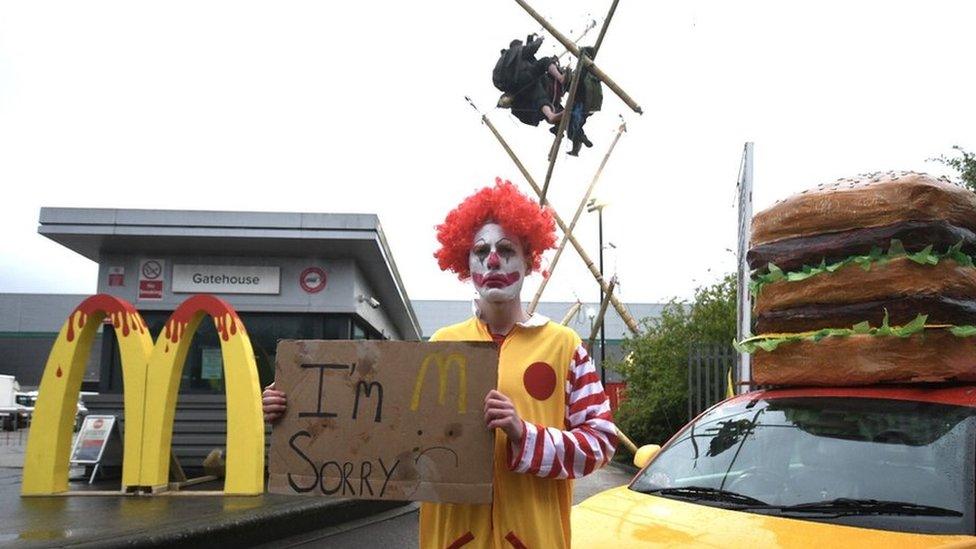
[827,467]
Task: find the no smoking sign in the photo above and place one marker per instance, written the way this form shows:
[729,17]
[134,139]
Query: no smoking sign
[151,279]
[152,269]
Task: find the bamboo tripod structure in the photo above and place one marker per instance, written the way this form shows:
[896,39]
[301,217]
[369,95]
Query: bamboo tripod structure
[571,313]
[582,35]
[603,312]
[576,216]
[584,63]
[617,305]
[571,99]
[587,63]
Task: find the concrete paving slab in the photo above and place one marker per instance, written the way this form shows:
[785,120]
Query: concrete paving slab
[145,521]
[198,521]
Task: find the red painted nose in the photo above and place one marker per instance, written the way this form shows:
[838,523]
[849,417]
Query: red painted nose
[494,262]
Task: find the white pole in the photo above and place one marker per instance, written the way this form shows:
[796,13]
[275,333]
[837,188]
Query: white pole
[744,316]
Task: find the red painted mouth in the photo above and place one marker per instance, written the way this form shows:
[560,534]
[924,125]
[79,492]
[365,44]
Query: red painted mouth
[496,280]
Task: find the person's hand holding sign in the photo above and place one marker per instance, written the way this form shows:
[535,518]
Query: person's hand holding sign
[274,403]
[500,414]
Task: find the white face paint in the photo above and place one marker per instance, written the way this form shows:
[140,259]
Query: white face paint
[498,264]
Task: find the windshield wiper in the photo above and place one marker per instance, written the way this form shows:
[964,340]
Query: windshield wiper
[847,506]
[701,493]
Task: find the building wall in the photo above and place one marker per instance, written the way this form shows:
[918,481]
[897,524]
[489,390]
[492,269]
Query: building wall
[29,325]
[336,297]
[375,316]
[345,282]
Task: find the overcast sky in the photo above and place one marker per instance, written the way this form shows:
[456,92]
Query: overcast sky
[359,107]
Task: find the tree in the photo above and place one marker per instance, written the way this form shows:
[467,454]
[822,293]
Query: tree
[656,370]
[964,164]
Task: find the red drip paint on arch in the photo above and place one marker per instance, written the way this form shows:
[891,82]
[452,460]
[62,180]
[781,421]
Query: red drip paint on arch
[103,304]
[225,317]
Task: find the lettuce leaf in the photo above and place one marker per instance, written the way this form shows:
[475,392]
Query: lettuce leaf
[876,256]
[770,343]
[963,331]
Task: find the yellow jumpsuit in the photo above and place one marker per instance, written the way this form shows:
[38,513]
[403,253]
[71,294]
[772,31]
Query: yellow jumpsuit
[541,367]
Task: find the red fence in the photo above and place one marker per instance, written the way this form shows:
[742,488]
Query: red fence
[617,393]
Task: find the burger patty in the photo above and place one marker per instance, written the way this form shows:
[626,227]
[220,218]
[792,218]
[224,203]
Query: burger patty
[935,356]
[891,280]
[901,310]
[792,254]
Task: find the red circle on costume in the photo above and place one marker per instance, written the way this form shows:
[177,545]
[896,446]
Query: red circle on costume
[539,380]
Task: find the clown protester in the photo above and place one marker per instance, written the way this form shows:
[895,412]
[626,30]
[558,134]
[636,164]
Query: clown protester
[551,416]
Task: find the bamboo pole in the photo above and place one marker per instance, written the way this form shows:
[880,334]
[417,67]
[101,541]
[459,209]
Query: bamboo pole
[603,311]
[570,101]
[563,122]
[569,45]
[626,440]
[576,216]
[571,313]
[603,29]
[621,310]
[564,119]
[586,31]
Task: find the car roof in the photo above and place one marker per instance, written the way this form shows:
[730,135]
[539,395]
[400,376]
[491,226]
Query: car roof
[959,395]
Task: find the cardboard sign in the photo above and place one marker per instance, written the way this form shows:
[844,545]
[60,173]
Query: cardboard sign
[92,438]
[389,420]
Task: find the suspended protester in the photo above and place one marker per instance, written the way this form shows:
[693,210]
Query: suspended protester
[589,99]
[532,88]
[550,414]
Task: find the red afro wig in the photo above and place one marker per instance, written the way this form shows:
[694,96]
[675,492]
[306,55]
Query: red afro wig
[503,204]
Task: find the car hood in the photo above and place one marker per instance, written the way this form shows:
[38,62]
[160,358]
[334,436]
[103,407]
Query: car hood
[622,518]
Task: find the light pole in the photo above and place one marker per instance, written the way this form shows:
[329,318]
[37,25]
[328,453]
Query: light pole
[593,205]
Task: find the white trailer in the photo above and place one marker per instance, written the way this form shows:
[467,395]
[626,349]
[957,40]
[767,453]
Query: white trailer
[10,410]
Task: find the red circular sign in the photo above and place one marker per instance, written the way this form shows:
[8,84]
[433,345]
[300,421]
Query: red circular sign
[312,280]
[539,380]
[98,423]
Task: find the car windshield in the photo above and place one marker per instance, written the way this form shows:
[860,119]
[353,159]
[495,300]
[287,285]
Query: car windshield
[891,464]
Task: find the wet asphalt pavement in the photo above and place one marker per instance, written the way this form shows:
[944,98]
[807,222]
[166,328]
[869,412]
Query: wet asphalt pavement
[398,528]
[231,521]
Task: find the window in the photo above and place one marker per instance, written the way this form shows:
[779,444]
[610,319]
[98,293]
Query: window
[788,453]
[203,370]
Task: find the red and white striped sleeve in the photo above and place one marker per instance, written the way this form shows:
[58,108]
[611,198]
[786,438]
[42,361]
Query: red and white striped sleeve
[590,439]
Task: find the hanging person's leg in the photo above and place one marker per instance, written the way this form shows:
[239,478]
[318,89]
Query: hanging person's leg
[575,128]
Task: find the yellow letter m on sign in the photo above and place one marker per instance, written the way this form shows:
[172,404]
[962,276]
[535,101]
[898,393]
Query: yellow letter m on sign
[443,369]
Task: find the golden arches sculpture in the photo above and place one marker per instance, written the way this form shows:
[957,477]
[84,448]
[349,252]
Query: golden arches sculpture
[151,375]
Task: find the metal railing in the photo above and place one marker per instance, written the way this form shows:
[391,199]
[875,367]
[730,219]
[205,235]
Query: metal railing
[709,365]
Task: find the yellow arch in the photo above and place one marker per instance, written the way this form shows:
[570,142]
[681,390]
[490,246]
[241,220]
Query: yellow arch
[245,421]
[49,443]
